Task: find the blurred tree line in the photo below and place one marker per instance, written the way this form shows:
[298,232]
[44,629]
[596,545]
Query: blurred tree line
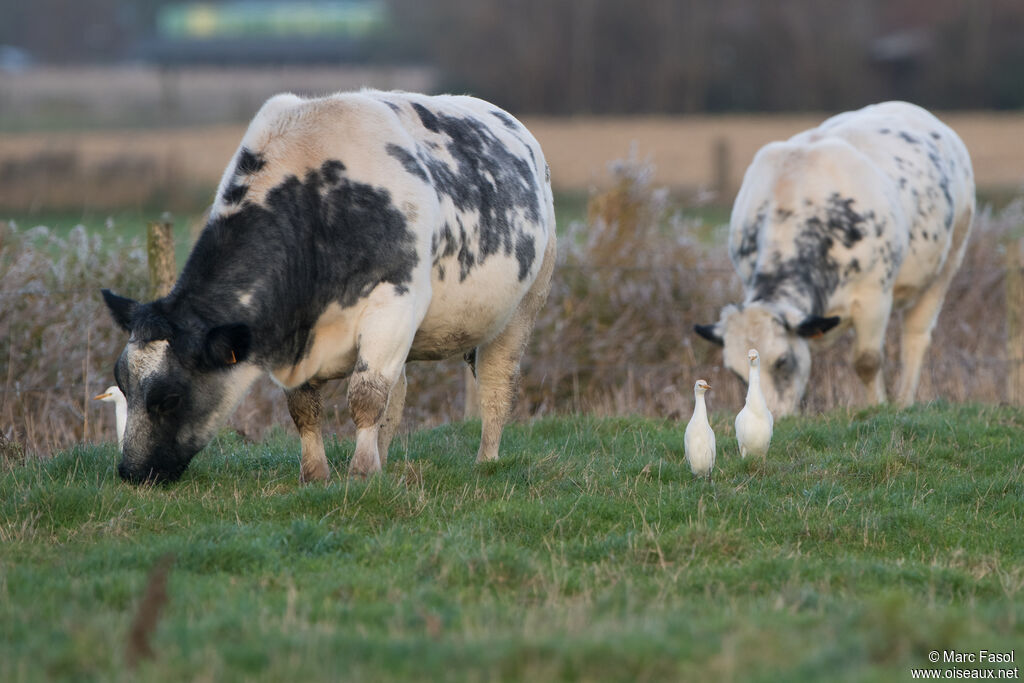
[682,56]
[642,56]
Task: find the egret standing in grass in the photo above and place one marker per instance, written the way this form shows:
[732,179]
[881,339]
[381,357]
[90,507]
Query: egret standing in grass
[754,423]
[699,439]
[114,395]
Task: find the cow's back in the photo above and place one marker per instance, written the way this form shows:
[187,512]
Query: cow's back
[930,173]
[464,185]
[893,182]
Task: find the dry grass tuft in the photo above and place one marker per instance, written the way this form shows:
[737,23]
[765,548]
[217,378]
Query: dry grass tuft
[11,452]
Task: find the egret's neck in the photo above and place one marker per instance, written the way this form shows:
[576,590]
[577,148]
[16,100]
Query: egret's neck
[121,419]
[700,409]
[755,397]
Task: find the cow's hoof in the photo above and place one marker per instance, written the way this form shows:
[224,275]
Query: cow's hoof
[483,457]
[364,468]
[320,472]
[362,474]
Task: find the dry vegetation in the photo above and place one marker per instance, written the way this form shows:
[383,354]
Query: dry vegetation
[614,338]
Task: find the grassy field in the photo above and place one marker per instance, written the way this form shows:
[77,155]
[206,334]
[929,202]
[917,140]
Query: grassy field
[589,552]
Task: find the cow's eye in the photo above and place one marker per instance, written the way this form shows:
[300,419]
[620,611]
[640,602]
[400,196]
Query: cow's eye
[782,363]
[165,405]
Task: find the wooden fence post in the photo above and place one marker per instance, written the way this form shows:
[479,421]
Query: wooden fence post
[721,159]
[160,255]
[1015,322]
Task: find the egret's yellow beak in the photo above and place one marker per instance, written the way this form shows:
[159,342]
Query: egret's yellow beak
[101,396]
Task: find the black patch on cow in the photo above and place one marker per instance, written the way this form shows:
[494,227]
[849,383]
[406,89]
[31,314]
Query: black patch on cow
[525,254]
[394,107]
[880,224]
[883,131]
[466,260]
[332,171]
[907,137]
[234,194]
[408,161]
[842,221]
[749,233]
[486,178]
[509,122]
[943,182]
[249,162]
[427,117]
[446,238]
[935,136]
[813,274]
[321,239]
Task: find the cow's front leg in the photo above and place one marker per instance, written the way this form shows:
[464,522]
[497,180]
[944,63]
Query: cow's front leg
[870,323]
[918,322]
[383,342]
[306,408]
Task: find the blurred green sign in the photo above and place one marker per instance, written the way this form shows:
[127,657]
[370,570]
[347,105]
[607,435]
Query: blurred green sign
[197,20]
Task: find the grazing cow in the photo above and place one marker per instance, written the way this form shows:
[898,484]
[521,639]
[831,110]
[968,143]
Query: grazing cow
[834,226]
[350,234]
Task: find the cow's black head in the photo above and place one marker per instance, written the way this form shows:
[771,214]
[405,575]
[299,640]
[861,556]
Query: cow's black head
[181,381]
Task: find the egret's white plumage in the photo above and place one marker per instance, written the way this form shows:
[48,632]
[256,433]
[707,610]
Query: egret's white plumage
[699,439]
[754,424]
[114,395]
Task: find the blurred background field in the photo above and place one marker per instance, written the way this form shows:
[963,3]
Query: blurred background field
[649,113]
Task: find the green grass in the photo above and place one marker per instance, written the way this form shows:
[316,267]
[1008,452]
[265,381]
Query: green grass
[588,552]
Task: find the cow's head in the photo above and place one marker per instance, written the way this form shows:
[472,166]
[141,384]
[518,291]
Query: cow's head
[780,335]
[180,381]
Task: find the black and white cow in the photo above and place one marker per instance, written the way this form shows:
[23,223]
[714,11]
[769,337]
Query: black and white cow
[350,234]
[833,227]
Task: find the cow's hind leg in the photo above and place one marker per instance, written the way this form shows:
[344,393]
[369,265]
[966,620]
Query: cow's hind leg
[919,319]
[918,323]
[497,362]
[306,408]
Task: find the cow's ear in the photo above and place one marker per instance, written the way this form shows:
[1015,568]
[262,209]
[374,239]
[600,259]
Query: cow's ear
[815,326]
[710,332]
[227,345]
[121,309]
